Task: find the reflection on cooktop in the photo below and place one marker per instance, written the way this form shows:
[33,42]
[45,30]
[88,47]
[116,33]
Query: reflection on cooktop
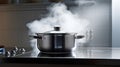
[54,55]
[79,52]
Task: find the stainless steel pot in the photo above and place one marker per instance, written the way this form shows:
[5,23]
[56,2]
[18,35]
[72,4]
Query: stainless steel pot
[56,42]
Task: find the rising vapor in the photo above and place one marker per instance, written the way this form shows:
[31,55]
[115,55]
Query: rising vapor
[59,15]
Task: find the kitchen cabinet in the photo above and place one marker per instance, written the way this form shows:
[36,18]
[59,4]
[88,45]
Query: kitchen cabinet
[13,20]
[4,1]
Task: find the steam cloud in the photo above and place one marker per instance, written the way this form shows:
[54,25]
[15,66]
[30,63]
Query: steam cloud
[59,15]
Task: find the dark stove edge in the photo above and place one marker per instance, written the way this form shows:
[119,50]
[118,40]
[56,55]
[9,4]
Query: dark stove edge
[80,61]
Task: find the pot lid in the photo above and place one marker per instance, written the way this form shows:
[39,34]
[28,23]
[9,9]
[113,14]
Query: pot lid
[56,30]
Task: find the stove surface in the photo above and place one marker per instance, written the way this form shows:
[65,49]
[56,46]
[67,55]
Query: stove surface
[80,52]
[80,55]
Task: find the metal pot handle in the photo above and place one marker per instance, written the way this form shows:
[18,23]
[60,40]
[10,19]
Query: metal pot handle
[36,37]
[79,36]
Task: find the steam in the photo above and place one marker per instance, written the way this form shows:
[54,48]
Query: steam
[59,15]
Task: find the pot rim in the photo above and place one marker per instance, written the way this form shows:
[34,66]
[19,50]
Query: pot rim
[56,33]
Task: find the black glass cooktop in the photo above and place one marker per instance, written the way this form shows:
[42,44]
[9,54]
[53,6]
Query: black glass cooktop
[80,52]
[80,55]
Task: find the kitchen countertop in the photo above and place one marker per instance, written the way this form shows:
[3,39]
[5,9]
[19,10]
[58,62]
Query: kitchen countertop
[80,55]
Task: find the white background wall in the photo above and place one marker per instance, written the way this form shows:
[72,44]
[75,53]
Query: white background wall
[100,17]
[116,23]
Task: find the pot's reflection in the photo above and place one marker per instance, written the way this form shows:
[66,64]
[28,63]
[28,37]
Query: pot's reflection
[79,52]
[92,52]
[54,55]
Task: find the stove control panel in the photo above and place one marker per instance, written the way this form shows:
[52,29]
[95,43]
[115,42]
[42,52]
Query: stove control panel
[11,53]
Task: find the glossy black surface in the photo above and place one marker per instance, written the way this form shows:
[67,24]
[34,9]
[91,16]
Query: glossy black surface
[54,55]
[82,56]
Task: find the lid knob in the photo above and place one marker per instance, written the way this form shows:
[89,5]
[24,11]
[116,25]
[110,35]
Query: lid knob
[57,28]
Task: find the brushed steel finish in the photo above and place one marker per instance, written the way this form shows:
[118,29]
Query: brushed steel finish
[56,42]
